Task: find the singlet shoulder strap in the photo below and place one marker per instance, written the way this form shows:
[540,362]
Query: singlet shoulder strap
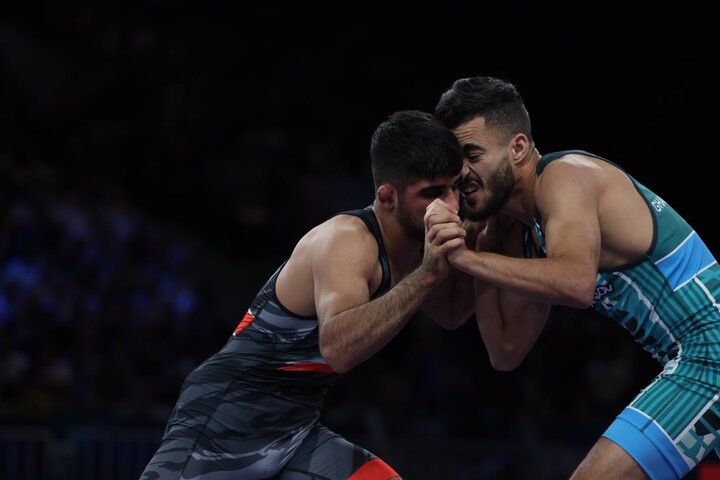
[368,216]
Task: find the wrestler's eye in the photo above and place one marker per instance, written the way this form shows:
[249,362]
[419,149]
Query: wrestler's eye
[473,153]
[432,193]
[473,157]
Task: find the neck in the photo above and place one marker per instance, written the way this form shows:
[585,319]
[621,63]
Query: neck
[404,252]
[522,202]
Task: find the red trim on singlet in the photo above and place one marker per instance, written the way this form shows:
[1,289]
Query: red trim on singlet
[709,471]
[375,469]
[307,367]
[247,320]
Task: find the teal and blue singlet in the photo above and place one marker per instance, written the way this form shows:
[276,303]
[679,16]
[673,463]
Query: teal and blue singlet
[668,301]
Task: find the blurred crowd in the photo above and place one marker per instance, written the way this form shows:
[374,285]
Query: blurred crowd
[172,102]
[121,124]
[102,315]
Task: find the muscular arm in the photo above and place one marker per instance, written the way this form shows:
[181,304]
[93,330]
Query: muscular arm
[513,294]
[353,327]
[509,324]
[567,195]
[450,304]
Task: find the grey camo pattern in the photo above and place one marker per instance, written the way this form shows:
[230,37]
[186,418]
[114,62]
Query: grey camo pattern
[238,416]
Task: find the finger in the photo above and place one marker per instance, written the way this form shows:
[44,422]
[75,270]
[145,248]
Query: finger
[437,203]
[450,231]
[432,232]
[440,203]
[451,246]
[437,215]
[439,227]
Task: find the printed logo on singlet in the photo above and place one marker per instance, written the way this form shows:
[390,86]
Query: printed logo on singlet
[602,291]
[658,203]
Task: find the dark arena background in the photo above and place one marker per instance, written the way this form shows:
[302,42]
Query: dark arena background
[159,159]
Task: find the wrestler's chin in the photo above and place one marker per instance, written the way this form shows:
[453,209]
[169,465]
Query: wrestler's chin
[471,208]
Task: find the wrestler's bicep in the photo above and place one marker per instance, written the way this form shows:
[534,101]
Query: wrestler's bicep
[343,264]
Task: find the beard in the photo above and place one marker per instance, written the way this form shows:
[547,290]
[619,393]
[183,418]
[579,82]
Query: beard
[499,187]
[414,228]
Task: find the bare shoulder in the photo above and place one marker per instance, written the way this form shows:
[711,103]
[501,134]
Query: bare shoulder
[576,171]
[575,163]
[343,227]
[586,171]
[325,258]
[342,234]
[571,182]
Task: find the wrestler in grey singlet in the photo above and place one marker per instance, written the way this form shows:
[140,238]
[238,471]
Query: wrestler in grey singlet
[251,411]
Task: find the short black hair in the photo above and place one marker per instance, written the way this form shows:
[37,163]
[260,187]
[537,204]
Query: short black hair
[412,145]
[494,99]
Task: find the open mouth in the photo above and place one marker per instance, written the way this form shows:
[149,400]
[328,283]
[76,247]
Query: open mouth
[469,186]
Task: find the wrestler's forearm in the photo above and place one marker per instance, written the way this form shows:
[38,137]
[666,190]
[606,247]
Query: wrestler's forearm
[509,324]
[548,281]
[351,337]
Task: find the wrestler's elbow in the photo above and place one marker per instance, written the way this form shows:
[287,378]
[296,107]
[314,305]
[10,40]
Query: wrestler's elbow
[451,322]
[506,357]
[337,360]
[581,292]
[504,364]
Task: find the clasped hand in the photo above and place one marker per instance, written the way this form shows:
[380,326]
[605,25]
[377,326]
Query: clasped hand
[444,236]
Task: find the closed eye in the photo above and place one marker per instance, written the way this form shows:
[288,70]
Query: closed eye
[473,152]
[432,192]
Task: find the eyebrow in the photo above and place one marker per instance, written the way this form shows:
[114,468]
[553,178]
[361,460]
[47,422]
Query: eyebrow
[471,146]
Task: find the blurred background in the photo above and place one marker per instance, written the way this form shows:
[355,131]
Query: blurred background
[159,159]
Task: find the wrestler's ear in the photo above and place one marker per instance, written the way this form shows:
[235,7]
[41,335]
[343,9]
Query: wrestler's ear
[386,196]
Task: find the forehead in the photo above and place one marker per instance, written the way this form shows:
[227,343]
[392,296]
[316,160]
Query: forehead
[475,131]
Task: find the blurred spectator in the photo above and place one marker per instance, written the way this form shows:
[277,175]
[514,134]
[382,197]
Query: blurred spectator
[238,127]
[100,313]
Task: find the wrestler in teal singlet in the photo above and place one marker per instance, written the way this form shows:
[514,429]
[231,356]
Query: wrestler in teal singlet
[668,301]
